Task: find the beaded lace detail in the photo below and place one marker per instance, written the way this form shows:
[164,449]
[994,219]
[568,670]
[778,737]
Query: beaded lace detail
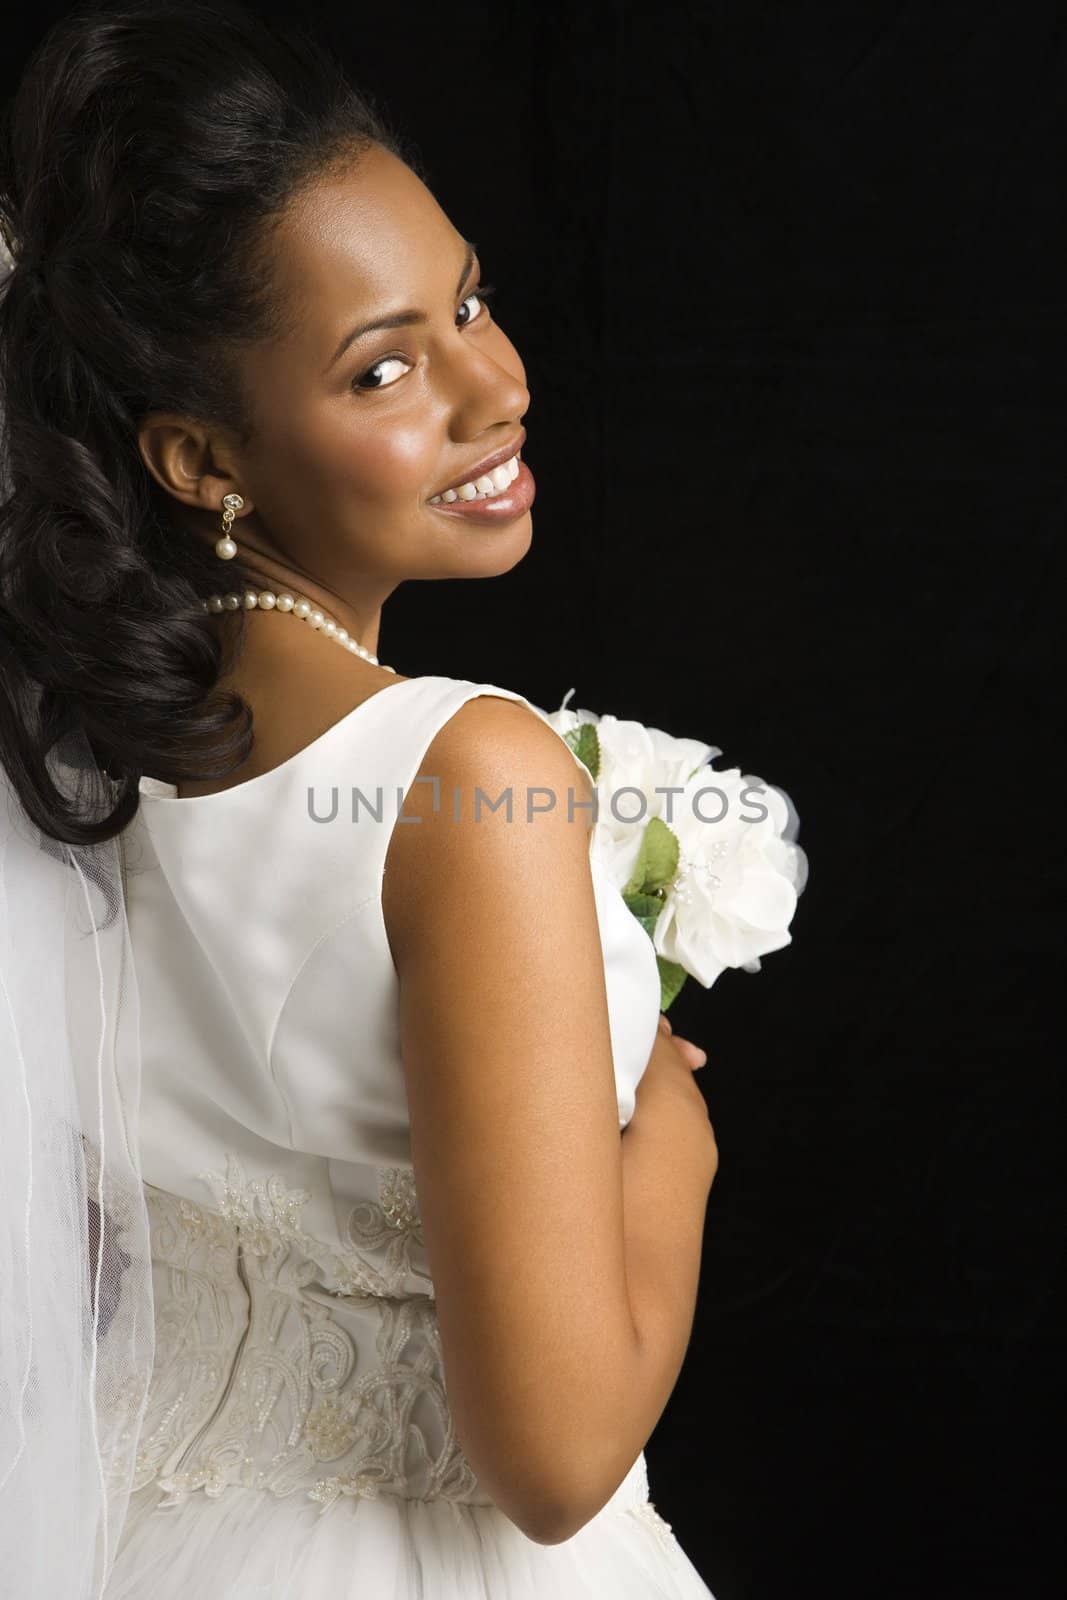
[293,1365]
[267,1214]
[278,1352]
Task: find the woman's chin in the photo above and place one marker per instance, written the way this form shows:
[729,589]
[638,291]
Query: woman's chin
[482,551]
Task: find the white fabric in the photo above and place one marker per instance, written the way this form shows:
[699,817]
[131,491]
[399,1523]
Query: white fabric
[76,1323]
[76,1304]
[297,1443]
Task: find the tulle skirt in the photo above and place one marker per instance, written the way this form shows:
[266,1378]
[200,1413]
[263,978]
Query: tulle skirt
[248,1544]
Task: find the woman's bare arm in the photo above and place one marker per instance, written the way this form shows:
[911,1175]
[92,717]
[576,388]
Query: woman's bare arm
[518,1162]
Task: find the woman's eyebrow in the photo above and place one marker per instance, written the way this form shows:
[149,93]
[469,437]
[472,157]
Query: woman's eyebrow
[399,319]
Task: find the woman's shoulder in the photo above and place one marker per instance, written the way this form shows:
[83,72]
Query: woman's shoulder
[494,752]
[502,729]
[500,797]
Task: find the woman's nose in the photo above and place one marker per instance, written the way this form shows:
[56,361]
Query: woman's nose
[489,388]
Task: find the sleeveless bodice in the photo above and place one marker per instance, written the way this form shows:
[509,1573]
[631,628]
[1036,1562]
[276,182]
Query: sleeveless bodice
[297,1347]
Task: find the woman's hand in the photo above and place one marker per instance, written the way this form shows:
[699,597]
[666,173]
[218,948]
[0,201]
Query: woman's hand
[669,1080]
[694,1055]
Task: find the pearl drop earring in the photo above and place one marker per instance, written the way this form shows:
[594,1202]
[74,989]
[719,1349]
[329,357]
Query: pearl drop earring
[225,548]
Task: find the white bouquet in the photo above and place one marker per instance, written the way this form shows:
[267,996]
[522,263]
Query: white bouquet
[706,860]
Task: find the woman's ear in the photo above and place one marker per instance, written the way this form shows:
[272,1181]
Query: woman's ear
[188,460]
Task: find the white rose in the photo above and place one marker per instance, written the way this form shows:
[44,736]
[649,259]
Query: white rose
[739,871]
[632,756]
[736,889]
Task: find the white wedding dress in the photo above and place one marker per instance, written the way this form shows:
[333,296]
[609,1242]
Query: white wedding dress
[298,1443]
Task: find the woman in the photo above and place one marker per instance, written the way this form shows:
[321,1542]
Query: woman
[248,365]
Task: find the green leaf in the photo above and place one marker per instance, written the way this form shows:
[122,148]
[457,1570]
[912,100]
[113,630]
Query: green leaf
[586,746]
[671,979]
[646,908]
[657,859]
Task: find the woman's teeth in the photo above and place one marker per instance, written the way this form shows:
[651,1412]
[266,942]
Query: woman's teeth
[489,483]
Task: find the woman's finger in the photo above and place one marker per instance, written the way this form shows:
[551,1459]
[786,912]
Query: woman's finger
[696,1056]
[692,1052]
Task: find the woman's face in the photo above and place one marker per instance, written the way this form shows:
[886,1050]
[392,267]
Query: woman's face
[351,443]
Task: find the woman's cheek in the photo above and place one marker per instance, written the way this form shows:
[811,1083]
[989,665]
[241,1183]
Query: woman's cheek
[403,460]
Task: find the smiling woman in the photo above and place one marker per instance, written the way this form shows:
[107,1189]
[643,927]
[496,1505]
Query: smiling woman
[259,359]
[345,454]
[379,1182]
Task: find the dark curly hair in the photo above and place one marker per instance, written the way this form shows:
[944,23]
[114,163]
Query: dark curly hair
[143,159]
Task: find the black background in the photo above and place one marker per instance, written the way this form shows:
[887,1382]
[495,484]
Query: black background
[789,285]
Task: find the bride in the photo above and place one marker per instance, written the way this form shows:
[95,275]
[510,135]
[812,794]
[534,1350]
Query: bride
[389,1175]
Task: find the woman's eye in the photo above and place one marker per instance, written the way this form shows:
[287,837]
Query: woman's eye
[386,361]
[482,292]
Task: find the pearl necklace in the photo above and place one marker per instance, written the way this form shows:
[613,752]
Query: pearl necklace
[298,606]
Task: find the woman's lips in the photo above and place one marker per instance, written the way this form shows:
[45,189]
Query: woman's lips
[510,503]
